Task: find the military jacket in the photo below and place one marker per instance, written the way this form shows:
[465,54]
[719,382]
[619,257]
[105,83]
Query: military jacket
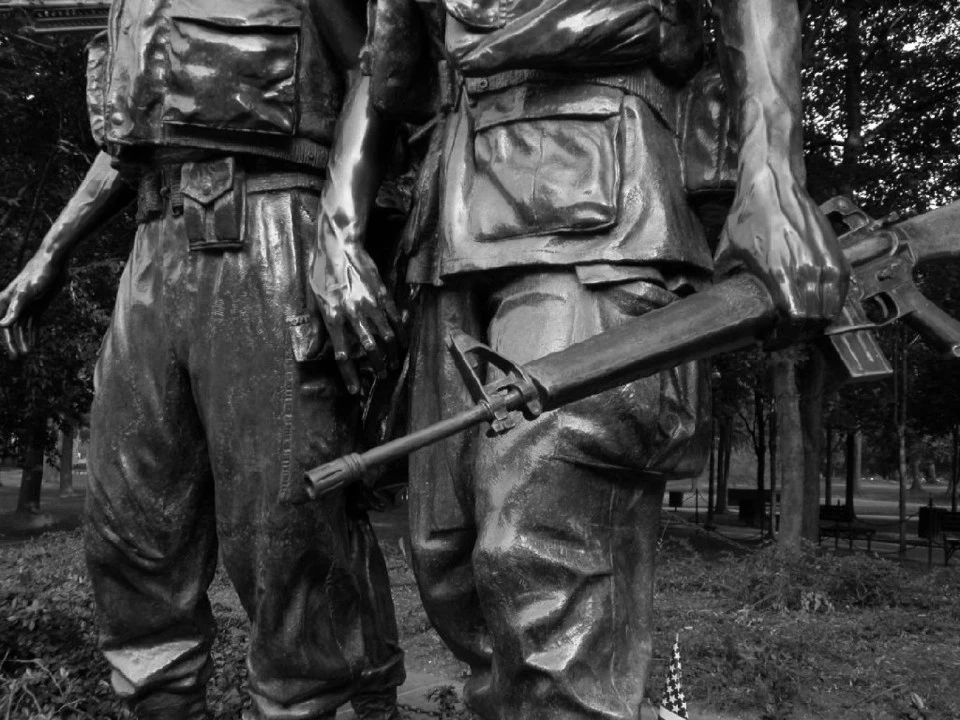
[221,74]
[558,142]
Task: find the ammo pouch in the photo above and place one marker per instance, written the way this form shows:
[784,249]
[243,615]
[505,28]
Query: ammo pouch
[213,204]
[97,62]
[708,147]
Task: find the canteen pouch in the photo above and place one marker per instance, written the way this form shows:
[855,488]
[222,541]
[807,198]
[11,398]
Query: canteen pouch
[709,146]
[213,204]
[98,60]
[546,160]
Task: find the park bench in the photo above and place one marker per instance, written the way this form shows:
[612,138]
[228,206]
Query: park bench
[939,525]
[838,521]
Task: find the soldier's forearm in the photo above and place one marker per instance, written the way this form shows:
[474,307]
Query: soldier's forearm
[360,152]
[101,195]
[760,42]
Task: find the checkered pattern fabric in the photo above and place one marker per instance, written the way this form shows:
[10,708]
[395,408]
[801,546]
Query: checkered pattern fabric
[673,704]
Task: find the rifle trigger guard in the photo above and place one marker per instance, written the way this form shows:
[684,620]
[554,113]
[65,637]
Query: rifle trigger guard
[467,354]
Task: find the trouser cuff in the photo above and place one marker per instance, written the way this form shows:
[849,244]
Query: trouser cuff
[171,706]
[376,706]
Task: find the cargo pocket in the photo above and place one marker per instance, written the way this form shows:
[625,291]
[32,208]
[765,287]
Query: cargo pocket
[546,161]
[213,205]
[674,437]
[321,422]
[233,65]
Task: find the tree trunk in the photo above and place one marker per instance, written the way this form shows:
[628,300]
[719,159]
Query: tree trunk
[955,470]
[857,459]
[851,470]
[828,469]
[915,485]
[790,433]
[810,407]
[900,387]
[853,107]
[31,480]
[66,461]
[760,447]
[774,429]
[724,446]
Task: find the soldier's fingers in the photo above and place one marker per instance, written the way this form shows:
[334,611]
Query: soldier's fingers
[31,334]
[341,353]
[6,341]
[19,339]
[389,338]
[15,309]
[370,347]
[395,318]
[348,371]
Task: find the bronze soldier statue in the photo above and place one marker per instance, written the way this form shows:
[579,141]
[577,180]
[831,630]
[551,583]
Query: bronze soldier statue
[215,387]
[556,203]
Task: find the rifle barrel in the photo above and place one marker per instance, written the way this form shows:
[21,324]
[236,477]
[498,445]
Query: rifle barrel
[728,316]
[337,473]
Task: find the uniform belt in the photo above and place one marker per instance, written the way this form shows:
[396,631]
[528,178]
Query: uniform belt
[162,185]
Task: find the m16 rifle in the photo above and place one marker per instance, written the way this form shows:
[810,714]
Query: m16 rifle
[50,17]
[729,316]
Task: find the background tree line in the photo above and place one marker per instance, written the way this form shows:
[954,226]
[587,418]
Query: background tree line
[45,150]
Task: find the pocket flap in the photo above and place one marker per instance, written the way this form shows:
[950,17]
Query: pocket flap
[240,13]
[207,181]
[532,102]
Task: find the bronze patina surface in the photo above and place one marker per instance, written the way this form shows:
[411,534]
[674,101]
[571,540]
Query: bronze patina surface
[555,205]
[216,387]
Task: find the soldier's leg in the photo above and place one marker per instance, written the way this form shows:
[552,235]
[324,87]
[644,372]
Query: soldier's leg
[442,528]
[568,509]
[149,533]
[309,576]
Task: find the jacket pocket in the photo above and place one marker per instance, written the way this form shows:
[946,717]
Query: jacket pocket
[233,65]
[546,161]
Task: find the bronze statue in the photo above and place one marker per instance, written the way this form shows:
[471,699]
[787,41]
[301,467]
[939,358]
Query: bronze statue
[216,387]
[553,207]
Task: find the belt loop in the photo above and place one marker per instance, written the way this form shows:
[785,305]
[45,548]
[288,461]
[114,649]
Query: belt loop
[171,188]
[149,196]
[176,196]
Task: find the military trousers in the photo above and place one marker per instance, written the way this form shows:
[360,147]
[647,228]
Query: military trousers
[203,424]
[534,550]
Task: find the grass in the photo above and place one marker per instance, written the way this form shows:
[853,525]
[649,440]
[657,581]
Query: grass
[764,634]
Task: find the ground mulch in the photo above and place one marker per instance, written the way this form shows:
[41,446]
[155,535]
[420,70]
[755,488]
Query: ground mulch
[763,634]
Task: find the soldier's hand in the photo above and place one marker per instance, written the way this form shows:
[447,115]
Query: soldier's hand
[22,302]
[361,318]
[778,233]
